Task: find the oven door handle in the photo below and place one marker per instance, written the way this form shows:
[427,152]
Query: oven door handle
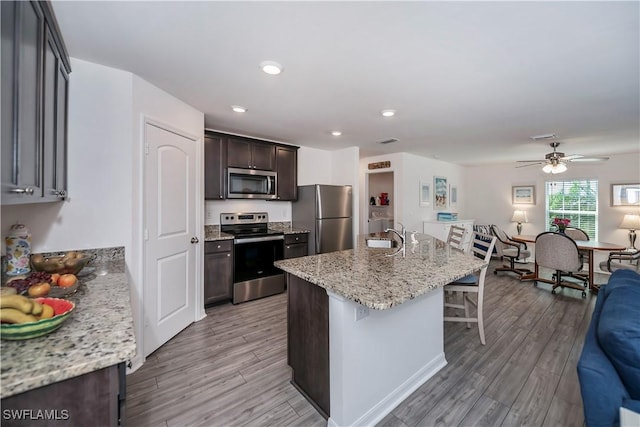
[258,239]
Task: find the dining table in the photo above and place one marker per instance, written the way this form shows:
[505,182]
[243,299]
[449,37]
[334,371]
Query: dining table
[589,246]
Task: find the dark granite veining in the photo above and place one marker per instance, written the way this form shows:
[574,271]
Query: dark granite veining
[99,333]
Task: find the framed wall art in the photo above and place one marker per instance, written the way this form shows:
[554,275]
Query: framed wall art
[625,194]
[453,195]
[523,194]
[425,193]
[440,192]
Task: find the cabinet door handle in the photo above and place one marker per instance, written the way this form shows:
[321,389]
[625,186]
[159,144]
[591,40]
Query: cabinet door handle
[228,255]
[194,240]
[25,190]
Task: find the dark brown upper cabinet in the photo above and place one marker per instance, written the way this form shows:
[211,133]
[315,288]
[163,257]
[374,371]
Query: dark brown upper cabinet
[215,155]
[250,154]
[35,90]
[287,168]
[222,151]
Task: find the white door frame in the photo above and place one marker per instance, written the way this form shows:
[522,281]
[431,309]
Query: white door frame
[138,235]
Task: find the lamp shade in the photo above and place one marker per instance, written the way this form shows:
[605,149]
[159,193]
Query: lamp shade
[519,216]
[631,222]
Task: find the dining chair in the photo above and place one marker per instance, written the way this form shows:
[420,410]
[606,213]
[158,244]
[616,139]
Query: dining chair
[511,250]
[482,247]
[579,234]
[456,237]
[627,260]
[559,252]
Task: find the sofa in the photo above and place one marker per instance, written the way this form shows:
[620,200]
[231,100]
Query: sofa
[609,365]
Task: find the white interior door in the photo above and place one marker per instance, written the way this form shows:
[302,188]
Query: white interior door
[170,218]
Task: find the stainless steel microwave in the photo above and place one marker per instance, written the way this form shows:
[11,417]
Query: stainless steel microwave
[251,184]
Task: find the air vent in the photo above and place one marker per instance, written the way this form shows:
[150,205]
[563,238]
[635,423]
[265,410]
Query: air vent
[544,137]
[388,141]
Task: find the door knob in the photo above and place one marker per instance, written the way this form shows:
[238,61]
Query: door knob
[194,240]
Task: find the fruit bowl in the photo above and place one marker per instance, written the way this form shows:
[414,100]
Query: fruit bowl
[71,262]
[23,331]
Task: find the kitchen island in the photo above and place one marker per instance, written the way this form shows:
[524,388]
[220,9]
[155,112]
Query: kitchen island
[76,373]
[365,327]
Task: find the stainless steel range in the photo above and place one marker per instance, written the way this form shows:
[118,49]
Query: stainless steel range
[255,249]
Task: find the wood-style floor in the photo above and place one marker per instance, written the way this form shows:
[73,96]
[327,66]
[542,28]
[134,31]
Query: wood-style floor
[230,369]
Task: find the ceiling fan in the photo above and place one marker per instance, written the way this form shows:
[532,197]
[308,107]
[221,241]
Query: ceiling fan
[556,162]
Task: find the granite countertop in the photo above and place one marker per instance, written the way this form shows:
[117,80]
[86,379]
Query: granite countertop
[99,333]
[213,233]
[369,276]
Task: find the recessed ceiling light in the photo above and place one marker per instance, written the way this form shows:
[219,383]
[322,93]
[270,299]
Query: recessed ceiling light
[336,133]
[388,113]
[238,109]
[271,67]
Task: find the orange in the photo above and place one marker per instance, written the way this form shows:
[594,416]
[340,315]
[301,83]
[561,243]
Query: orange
[54,278]
[67,280]
[39,290]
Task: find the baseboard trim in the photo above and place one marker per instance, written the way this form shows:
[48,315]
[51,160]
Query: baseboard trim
[397,396]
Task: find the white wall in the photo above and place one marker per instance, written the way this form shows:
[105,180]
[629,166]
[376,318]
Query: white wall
[409,170]
[314,166]
[97,212]
[489,187]
[104,208]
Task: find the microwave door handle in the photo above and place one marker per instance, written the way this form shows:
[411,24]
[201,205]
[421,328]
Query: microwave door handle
[269,185]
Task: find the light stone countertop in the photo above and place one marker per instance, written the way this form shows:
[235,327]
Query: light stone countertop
[370,277]
[212,233]
[98,334]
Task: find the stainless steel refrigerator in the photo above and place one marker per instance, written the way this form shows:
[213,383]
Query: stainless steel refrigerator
[327,212]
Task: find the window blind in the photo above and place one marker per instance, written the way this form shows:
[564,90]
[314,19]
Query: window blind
[576,200]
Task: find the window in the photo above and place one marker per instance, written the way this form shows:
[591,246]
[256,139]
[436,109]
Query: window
[576,200]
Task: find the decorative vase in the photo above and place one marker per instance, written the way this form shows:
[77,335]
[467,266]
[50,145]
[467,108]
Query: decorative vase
[561,230]
[18,250]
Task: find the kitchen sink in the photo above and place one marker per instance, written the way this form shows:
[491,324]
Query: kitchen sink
[381,243]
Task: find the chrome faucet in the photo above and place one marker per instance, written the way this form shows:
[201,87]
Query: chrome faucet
[402,235]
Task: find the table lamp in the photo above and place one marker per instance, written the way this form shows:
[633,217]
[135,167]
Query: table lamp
[519,217]
[632,223]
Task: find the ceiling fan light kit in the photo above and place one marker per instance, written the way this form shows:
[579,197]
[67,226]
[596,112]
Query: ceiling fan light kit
[556,162]
[551,168]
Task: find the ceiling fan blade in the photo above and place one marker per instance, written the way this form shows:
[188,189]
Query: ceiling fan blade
[571,157]
[530,161]
[530,164]
[590,159]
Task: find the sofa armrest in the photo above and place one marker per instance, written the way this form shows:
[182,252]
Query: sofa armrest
[602,390]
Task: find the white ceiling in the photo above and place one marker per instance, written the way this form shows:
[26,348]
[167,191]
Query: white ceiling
[470,81]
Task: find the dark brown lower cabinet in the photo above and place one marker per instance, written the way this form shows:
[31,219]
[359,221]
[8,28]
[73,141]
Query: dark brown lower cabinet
[296,245]
[218,271]
[94,399]
[308,341]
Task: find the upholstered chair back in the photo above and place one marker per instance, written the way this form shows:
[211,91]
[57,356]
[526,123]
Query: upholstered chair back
[557,251]
[576,233]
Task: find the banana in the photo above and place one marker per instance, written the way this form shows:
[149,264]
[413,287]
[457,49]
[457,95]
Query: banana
[18,302]
[12,315]
[37,308]
[47,312]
